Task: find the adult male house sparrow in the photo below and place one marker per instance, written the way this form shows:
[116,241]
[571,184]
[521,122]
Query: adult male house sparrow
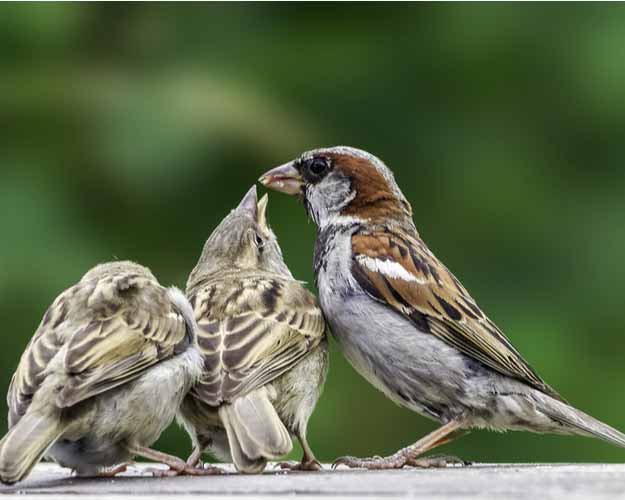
[262,337]
[103,375]
[404,321]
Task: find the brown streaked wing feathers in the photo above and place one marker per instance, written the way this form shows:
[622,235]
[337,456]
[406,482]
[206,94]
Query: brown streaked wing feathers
[437,303]
[143,329]
[114,328]
[251,332]
[43,346]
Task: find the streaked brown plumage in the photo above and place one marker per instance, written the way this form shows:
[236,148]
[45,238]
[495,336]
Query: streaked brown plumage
[251,329]
[84,388]
[437,302]
[258,327]
[404,321]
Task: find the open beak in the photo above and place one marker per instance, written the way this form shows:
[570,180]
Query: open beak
[284,178]
[261,212]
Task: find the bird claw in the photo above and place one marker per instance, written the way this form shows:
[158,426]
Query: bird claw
[156,472]
[311,466]
[342,461]
[114,471]
[375,462]
[436,462]
[398,461]
[206,470]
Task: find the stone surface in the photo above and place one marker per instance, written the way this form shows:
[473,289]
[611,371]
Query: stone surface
[480,481]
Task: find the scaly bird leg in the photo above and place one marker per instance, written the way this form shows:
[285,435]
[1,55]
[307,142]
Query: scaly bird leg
[194,458]
[410,455]
[308,463]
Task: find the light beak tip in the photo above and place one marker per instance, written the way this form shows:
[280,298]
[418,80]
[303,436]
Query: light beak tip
[264,199]
[284,178]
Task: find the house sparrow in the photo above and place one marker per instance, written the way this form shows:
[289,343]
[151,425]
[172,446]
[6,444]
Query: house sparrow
[404,322]
[263,340]
[103,375]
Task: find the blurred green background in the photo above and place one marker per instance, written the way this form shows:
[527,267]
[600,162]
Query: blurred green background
[129,131]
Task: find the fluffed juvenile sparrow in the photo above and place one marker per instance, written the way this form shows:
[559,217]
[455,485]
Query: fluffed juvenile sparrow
[262,337]
[404,321]
[103,375]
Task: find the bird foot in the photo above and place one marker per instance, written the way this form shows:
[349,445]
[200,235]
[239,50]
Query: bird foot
[372,463]
[309,466]
[113,471]
[436,462]
[188,470]
[157,472]
[204,470]
[397,461]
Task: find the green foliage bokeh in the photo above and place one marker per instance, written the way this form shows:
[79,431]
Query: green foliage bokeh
[129,131]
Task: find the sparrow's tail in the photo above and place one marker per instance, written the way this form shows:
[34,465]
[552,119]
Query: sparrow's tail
[25,444]
[578,422]
[255,432]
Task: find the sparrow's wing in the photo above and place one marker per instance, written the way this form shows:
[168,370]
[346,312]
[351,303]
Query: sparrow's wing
[107,331]
[30,372]
[404,274]
[251,332]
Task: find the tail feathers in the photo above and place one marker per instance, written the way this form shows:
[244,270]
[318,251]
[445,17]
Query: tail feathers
[580,423]
[255,432]
[241,460]
[26,443]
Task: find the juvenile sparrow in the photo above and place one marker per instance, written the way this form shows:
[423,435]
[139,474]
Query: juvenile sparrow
[404,322]
[263,340]
[103,375]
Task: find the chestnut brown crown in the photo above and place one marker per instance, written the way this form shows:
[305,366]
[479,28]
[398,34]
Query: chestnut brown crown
[341,182]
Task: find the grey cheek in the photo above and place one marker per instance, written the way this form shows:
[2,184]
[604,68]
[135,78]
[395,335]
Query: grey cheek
[312,202]
[326,199]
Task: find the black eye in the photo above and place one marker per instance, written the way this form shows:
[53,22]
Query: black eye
[318,166]
[260,243]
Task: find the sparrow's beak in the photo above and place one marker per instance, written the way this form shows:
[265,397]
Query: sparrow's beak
[284,178]
[249,203]
[261,211]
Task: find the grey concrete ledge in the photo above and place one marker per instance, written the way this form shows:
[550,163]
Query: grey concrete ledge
[479,481]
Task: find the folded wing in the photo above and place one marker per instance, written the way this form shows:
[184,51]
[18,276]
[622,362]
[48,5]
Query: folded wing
[257,330]
[107,331]
[403,273]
